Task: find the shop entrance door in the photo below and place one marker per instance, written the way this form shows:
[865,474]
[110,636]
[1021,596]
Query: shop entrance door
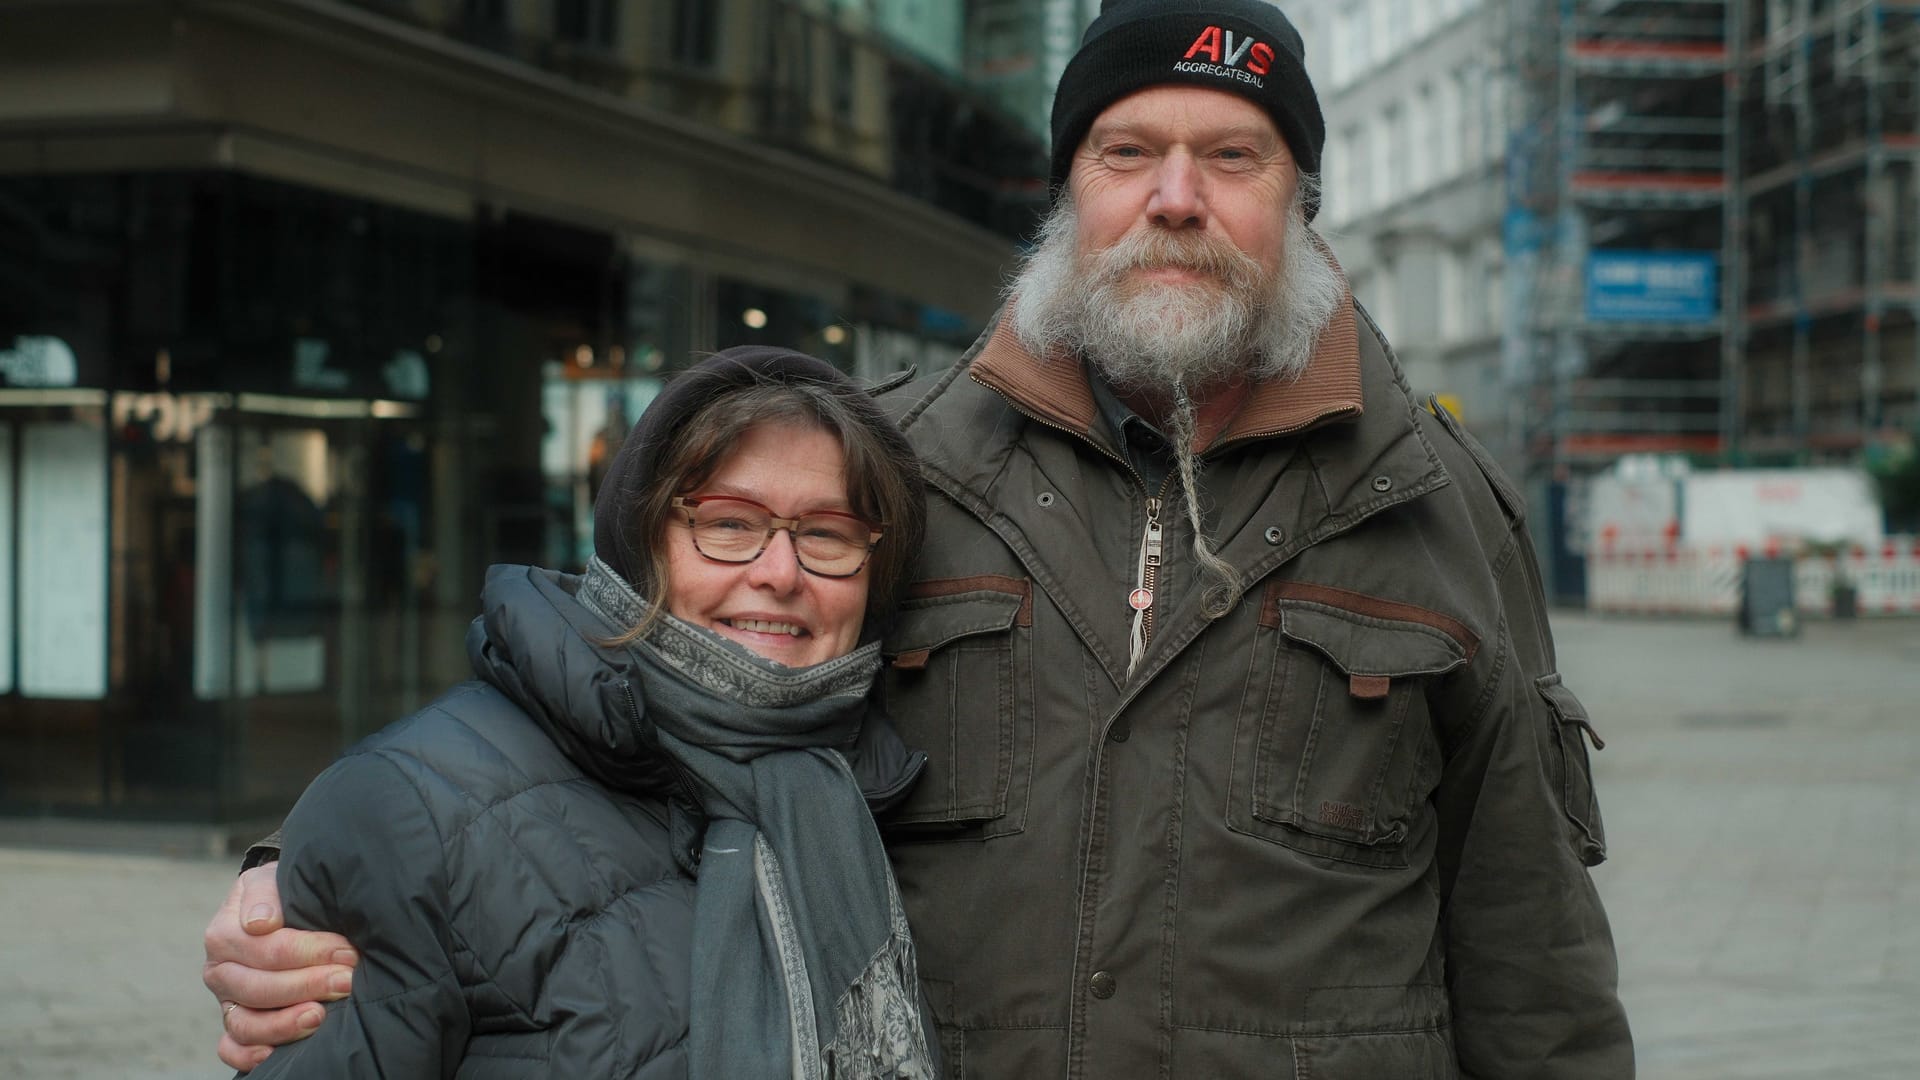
[310,586]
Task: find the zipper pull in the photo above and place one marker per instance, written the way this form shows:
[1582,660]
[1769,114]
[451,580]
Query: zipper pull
[1141,599]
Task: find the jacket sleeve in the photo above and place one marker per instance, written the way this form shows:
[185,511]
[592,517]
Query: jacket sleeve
[362,857]
[1531,969]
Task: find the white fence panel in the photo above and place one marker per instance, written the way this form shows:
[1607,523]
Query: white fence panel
[1691,580]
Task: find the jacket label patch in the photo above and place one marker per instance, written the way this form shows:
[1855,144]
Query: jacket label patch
[1342,815]
[1369,687]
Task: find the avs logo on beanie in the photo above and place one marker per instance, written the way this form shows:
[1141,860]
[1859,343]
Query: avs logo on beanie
[1227,57]
[1247,48]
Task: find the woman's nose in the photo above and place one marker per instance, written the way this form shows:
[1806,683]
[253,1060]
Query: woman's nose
[778,567]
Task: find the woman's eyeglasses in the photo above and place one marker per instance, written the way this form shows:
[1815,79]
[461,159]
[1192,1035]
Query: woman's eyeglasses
[729,529]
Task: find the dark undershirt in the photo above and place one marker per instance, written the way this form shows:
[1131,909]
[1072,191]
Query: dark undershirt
[1145,448]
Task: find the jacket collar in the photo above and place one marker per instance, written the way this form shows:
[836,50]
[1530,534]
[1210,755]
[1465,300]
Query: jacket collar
[1357,461]
[1335,467]
[1055,389]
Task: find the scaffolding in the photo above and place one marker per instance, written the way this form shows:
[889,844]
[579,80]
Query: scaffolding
[1621,217]
[1831,99]
[1771,145]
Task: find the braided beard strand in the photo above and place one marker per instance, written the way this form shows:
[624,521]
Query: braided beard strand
[1172,340]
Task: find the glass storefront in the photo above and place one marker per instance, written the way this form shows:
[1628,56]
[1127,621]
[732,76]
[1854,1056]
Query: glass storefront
[258,444]
[219,526]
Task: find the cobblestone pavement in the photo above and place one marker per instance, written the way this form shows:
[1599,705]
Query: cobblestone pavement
[1762,802]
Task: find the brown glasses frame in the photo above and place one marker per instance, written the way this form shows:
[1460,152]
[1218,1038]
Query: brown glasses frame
[690,503]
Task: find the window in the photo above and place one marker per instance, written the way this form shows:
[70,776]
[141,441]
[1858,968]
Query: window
[1453,301]
[843,76]
[695,36]
[587,22]
[1421,172]
[1382,34]
[487,13]
[1496,119]
[1341,191]
[1422,19]
[61,508]
[1389,158]
[1474,115]
[1349,44]
[1313,36]
[485,23]
[1446,125]
[1374,292]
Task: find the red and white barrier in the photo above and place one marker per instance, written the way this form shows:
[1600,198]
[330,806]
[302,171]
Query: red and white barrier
[1685,580]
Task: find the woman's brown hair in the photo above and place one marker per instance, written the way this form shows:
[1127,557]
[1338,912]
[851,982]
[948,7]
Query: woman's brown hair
[882,475]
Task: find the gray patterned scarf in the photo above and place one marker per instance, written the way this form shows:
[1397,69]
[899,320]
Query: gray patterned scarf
[803,967]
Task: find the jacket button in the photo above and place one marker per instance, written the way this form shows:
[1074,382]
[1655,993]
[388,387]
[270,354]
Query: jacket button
[1274,535]
[1120,731]
[1383,484]
[1102,985]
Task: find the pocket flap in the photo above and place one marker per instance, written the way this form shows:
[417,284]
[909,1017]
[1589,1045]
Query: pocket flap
[1568,708]
[1575,768]
[1369,650]
[936,613]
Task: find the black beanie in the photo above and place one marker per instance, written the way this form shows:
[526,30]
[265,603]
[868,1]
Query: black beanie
[1244,47]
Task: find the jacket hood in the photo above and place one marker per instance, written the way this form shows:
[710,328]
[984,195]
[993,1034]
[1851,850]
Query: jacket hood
[536,644]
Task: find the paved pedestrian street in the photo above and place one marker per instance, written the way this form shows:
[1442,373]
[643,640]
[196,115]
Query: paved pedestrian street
[100,966]
[1762,803]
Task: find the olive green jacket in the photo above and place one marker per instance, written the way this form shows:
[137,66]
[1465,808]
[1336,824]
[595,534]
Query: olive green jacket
[1341,832]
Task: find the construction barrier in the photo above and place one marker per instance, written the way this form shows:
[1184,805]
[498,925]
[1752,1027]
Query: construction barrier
[1684,580]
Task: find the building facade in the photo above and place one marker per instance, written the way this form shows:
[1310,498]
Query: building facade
[1018,49]
[1712,229]
[313,310]
[1414,96]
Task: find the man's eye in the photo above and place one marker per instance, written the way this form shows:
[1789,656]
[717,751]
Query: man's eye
[729,524]
[1233,154]
[1126,151]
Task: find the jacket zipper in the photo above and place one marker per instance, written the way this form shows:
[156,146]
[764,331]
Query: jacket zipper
[1145,582]
[1151,550]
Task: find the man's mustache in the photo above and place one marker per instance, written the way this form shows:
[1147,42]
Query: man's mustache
[1152,250]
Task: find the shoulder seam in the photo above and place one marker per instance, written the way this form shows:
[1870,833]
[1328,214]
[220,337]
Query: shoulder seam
[1509,498]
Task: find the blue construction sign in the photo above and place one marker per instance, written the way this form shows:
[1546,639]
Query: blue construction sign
[1653,286]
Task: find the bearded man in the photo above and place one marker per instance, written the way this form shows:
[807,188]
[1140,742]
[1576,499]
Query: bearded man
[1248,754]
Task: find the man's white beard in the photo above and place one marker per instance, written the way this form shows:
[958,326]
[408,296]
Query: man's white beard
[1239,320]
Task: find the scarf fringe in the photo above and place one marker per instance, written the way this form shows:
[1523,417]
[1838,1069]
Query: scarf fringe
[877,1028]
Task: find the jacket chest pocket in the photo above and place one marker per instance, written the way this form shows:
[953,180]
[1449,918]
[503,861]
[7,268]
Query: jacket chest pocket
[1335,751]
[958,686]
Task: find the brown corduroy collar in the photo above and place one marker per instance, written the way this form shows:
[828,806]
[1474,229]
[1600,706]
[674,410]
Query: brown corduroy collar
[1055,389]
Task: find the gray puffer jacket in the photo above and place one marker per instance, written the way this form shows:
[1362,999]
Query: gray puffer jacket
[511,865]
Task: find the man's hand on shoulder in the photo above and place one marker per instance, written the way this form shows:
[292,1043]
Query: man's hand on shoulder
[269,979]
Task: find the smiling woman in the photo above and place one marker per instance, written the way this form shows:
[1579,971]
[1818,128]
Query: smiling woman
[793,451]
[642,843]
[764,591]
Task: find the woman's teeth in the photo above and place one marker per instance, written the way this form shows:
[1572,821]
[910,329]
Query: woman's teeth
[760,627]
